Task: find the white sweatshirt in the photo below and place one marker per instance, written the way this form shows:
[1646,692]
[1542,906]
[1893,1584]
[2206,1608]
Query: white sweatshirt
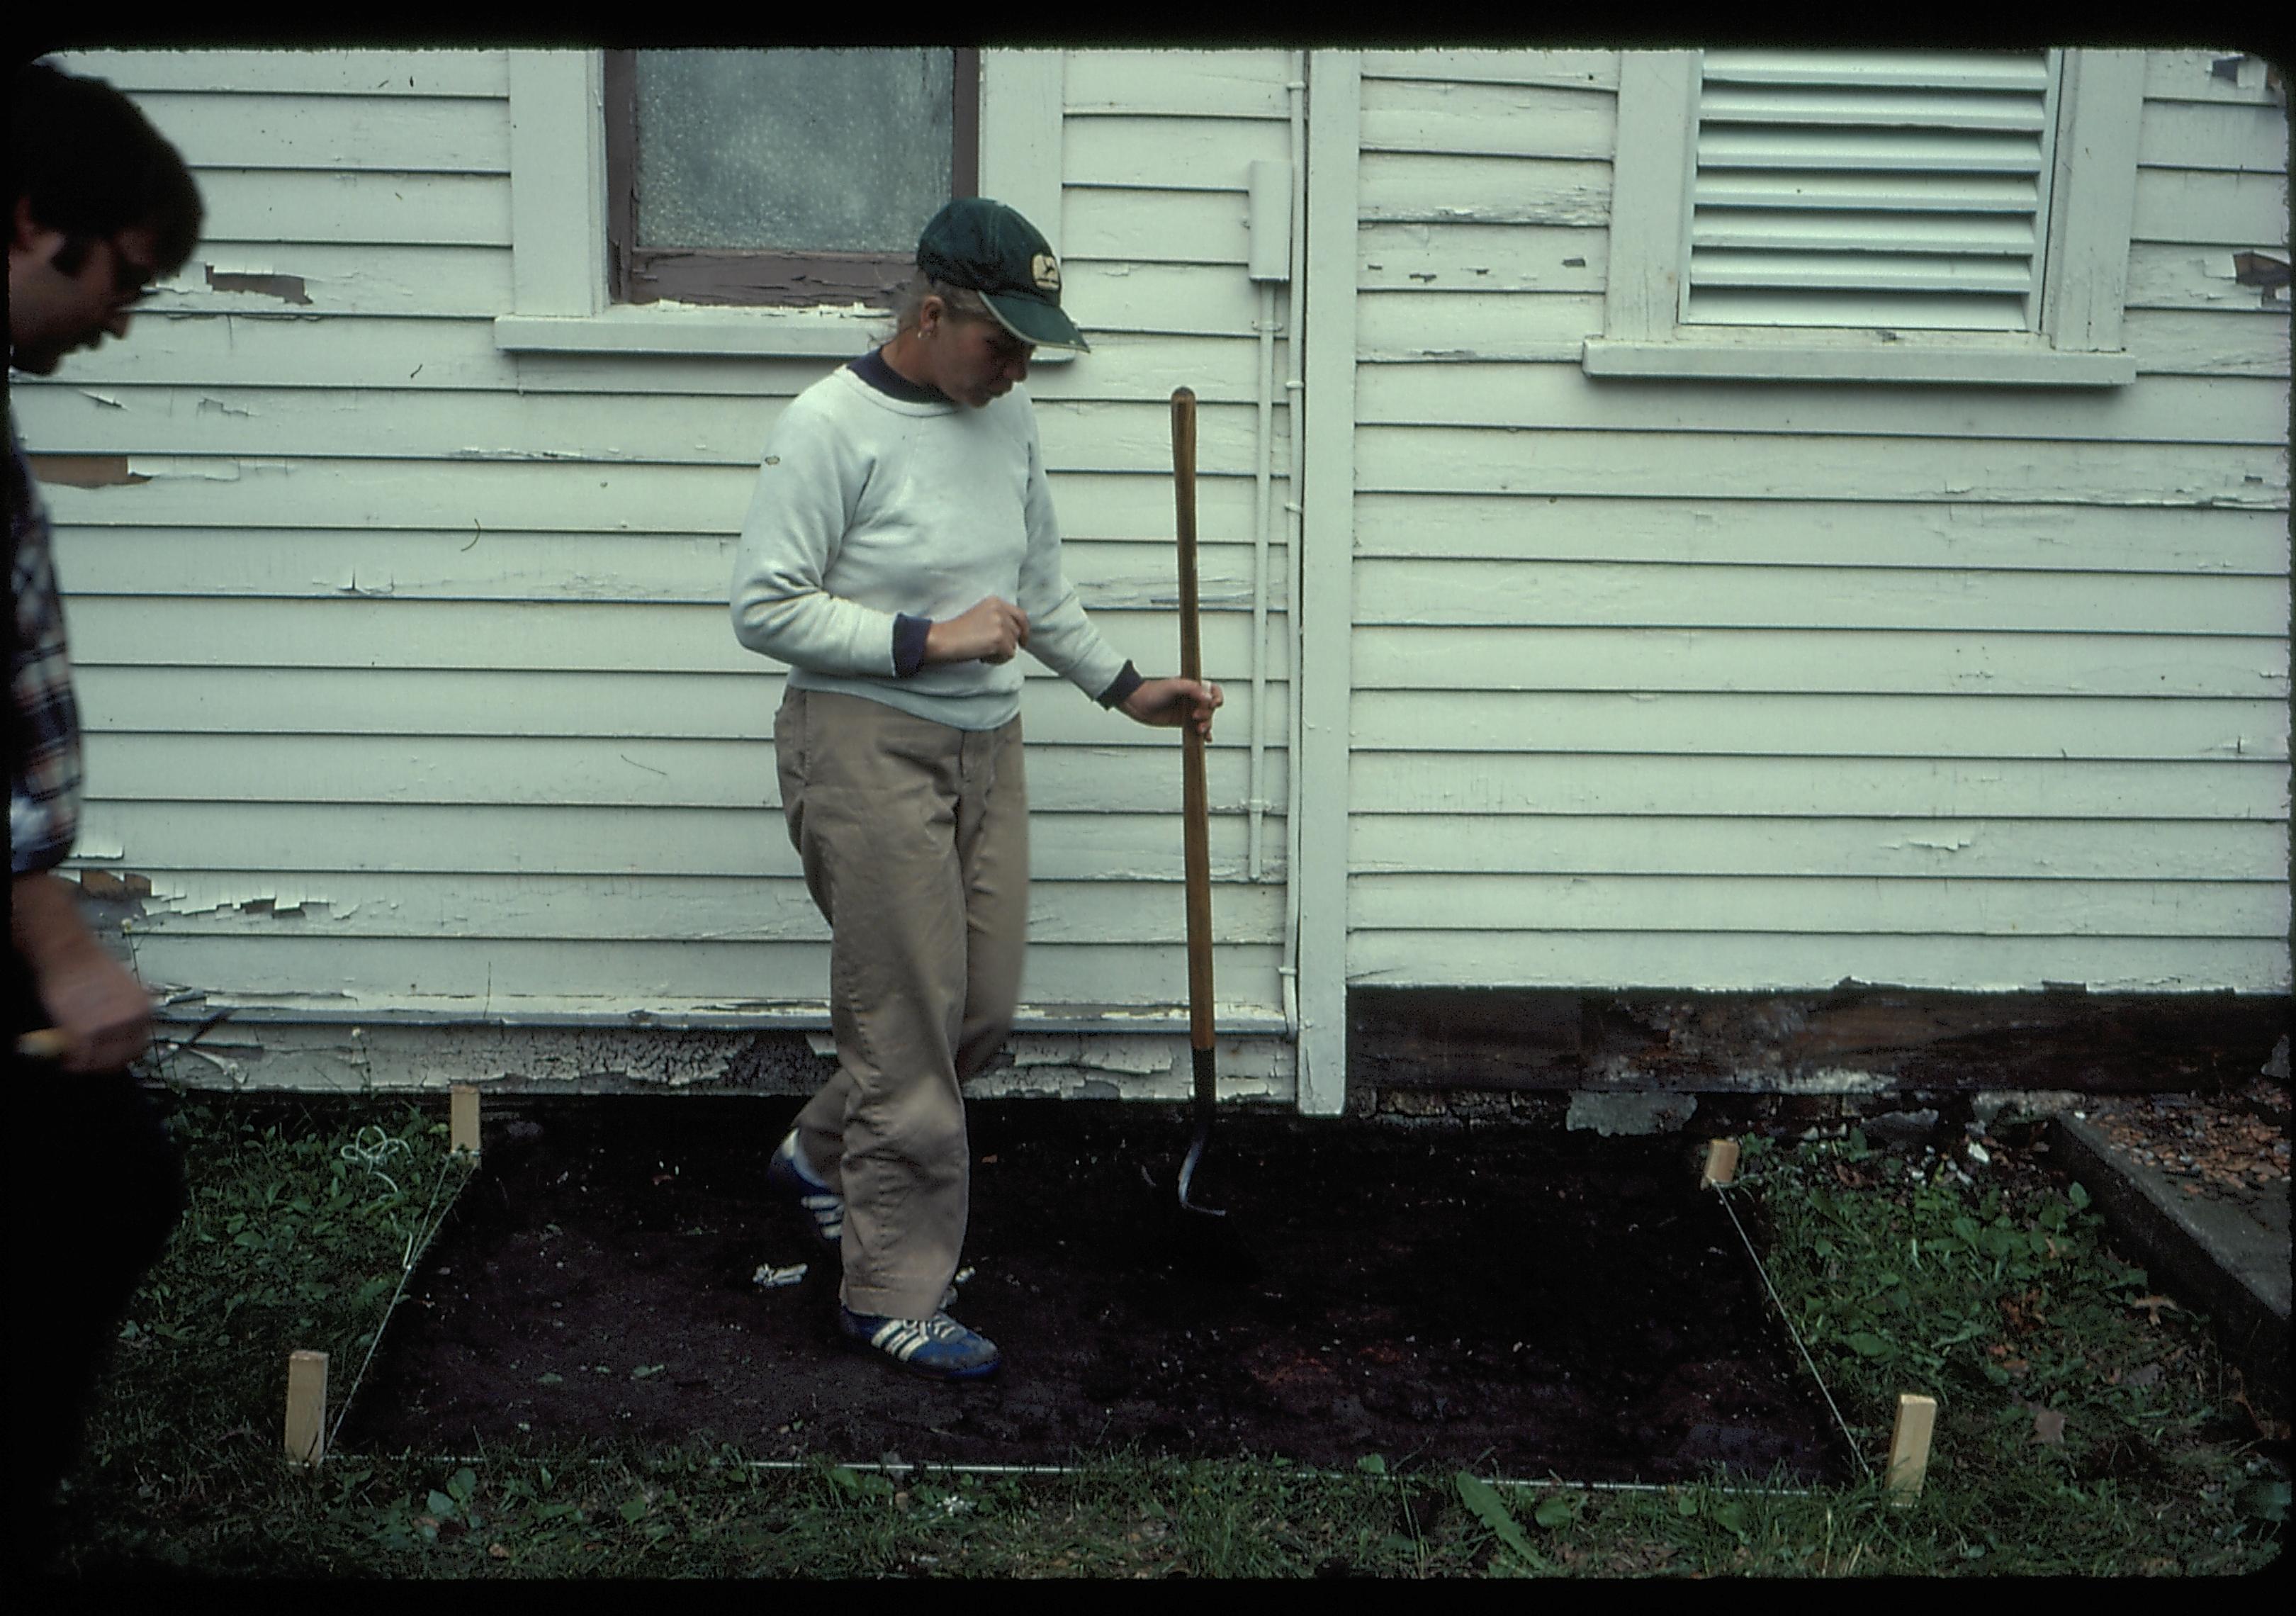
[868,508]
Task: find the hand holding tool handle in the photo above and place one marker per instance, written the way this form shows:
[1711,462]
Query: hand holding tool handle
[45,1044]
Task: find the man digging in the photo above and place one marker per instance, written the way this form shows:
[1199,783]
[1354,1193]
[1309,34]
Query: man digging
[899,550]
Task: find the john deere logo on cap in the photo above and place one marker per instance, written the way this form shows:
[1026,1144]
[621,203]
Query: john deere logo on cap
[1047,269]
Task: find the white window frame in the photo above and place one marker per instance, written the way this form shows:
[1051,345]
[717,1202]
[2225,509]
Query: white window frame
[2093,198]
[561,298]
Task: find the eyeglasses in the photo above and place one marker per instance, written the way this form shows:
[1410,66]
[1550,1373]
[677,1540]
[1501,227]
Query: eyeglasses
[131,278]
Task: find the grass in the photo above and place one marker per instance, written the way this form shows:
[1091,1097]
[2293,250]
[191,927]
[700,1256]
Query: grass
[2085,1427]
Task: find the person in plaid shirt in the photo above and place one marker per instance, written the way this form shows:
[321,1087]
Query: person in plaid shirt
[102,206]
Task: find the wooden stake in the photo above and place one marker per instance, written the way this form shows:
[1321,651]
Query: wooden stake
[1909,1446]
[306,1408]
[1721,1163]
[463,1123]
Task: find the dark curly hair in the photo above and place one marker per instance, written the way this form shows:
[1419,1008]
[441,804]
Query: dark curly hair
[91,165]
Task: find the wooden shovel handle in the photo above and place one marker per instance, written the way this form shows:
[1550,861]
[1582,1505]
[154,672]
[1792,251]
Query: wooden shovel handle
[1195,802]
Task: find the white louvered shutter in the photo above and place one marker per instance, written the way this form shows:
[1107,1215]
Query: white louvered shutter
[1871,189]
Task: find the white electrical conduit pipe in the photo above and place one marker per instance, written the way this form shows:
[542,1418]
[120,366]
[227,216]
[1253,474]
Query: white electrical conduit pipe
[1258,798]
[1287,972]
[1269,189]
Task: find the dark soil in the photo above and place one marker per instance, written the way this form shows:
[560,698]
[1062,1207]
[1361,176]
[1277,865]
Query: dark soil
[1526,1302]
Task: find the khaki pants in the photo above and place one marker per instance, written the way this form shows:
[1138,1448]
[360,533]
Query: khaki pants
[914,838]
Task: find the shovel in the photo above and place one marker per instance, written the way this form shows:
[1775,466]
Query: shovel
[1196,805]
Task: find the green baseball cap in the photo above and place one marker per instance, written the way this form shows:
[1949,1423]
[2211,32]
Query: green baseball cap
[988,248]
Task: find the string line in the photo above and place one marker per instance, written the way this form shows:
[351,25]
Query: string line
[1720,1193]
[415,1249]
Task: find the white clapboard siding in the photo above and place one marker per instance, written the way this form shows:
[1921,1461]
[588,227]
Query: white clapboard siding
[471,425]
[458,979]
[209,838]
[537,495]
[1794,726]
[1892,848]
[2217,77]
[1761,902]
[1497,593]
[2044,538]
[1114,233]
[2180,134]
[693,569]
[1202,296]
[2180,276]
[1483,258]
[1737,962]
[419,647]
[1556,70]
[2205,206]
[1428,188]
[1224,85]
[253,282]
[639,907]
[1734,686]
[385,207]
[651,771]
[1171,153]
[2178,410]
[595,707]
[1487,119]
[1422,781]
[2209,343]
[402,134]
[1917,661]
[1718,464]
[360,74]
[372,632]
[405,352]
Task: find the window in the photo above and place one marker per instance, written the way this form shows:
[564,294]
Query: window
[1893,216]
[788,178]
[560,229]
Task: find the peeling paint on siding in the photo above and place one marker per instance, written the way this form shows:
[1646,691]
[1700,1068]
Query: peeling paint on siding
[286,288]
[2263,271]
[144,469]
[85,471]
[570,1060]
[103,883]
[2260,269]
[2242,70]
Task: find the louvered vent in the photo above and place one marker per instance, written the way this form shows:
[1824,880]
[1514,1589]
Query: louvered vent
[1871,188]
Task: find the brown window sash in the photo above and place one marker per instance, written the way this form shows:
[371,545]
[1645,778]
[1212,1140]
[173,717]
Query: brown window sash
[757,277]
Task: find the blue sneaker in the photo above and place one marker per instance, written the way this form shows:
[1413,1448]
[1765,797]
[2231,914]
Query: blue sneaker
[938,1346]
[820,1209]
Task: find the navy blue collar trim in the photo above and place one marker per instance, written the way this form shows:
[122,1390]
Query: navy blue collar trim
[871,368]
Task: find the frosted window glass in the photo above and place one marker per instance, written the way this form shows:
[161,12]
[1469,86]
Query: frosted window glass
[804,150]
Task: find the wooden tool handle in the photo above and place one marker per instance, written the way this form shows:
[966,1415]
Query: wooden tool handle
[1195,802]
